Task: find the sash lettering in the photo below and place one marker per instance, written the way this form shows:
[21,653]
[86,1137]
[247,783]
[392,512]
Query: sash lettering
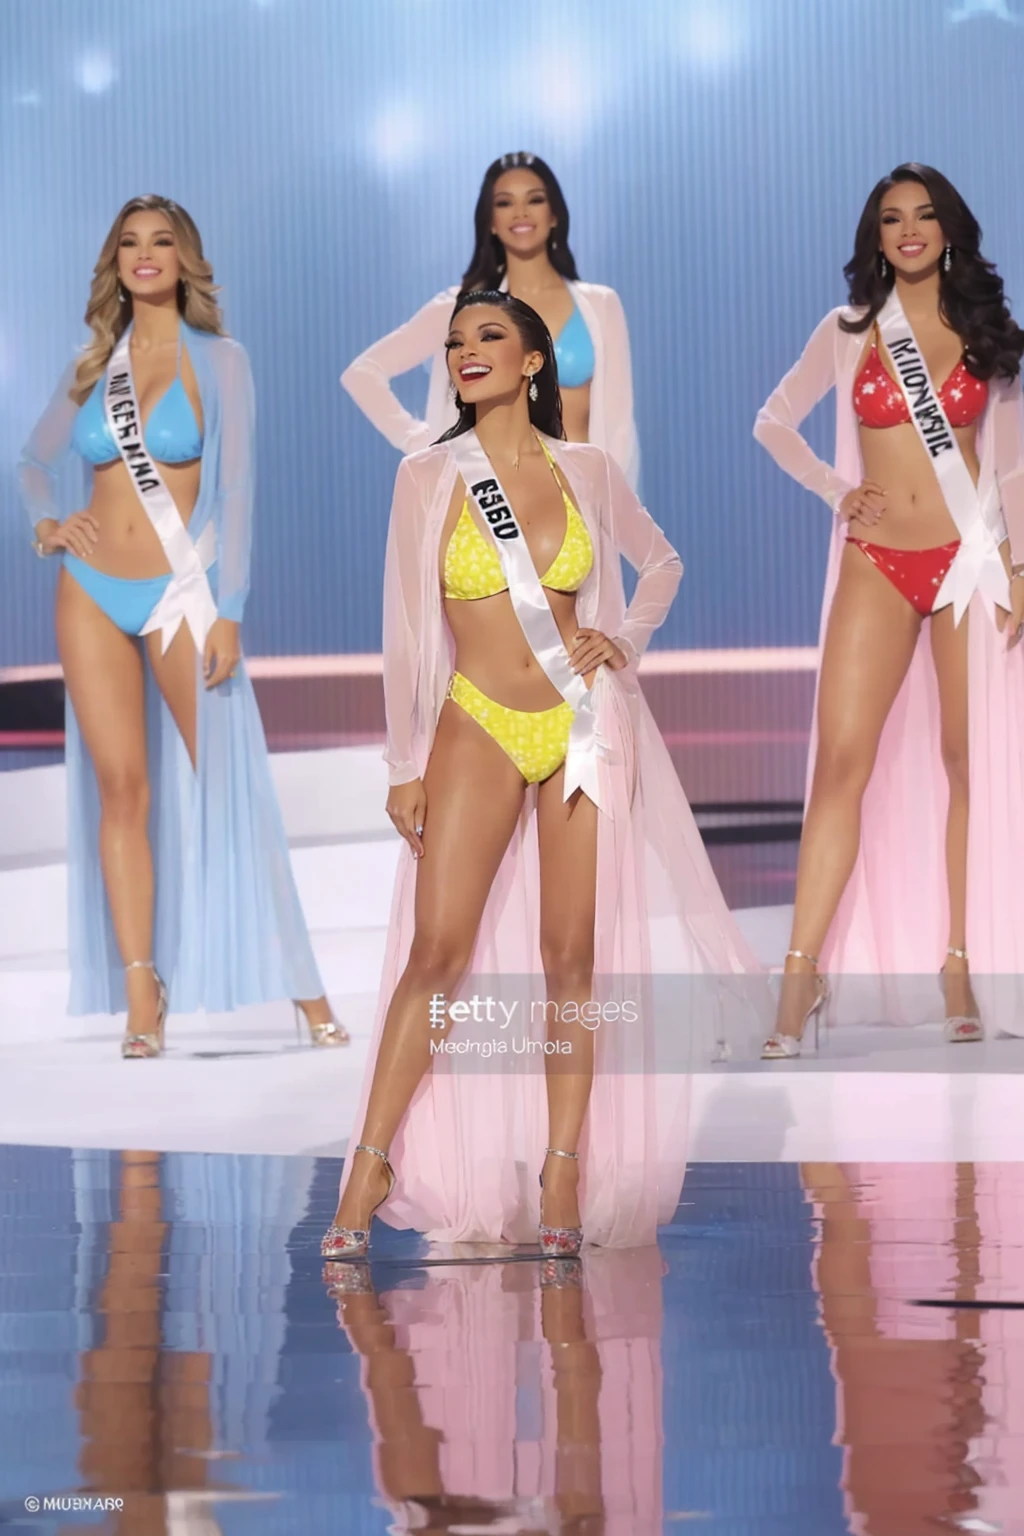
[978,566]
[921,397]
[188,596]
[490,498]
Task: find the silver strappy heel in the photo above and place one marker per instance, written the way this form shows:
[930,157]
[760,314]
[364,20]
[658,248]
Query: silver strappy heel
[143,1046]
[330,1032]
[352,1242]
[559,1242]
[779,1047]
[961,1029]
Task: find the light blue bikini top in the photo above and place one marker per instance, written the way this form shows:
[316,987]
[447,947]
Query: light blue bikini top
[172,432]
[574,352]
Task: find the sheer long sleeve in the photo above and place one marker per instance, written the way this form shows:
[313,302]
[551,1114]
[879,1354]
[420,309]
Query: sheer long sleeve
[368,379]
[45,450]
[236,479]
[778,420]
[637,536]
[622,441]
[402,588]
[1009,464]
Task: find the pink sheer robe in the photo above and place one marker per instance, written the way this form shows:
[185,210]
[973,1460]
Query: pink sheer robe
[892,923]
[471,1145]
[421,340]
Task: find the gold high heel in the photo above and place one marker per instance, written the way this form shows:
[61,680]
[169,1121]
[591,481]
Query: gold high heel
[330,1032]
[141,1047]
[352,1242]
[961,1029]
[779,1047]
[559,1242]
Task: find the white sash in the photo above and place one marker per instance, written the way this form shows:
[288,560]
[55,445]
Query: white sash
[533,611]
[188,594]
[978,565]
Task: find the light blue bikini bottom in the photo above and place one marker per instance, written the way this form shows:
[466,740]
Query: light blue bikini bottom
[128,604]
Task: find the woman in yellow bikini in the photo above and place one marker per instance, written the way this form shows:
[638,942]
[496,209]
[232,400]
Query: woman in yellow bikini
[536,797]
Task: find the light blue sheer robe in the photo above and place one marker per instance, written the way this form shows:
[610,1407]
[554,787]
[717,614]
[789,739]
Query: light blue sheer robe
[229,928]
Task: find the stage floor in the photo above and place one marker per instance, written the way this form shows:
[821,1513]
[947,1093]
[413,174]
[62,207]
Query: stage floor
[246,1084]
[815,1351]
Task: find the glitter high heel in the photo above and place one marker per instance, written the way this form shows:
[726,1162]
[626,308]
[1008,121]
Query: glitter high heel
[559,1242]
[352,1242]
[779,1047]
[330,1032]
[961,1029]
[143,1046]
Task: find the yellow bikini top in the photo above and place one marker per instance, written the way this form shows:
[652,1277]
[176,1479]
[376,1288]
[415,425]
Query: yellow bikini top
[472,566]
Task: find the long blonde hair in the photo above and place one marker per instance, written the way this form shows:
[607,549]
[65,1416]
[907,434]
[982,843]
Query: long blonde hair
[108,318]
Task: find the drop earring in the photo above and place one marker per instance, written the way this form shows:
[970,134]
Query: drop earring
[947,260]
[533,391]
[122,294]
[883,267]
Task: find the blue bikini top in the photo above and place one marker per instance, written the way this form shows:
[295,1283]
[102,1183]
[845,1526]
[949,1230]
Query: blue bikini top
[574,352]
[172,432]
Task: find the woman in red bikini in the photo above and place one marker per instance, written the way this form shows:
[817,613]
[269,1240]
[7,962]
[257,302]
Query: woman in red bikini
[920,703]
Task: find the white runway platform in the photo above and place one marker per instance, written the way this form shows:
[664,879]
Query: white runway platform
[245,1083]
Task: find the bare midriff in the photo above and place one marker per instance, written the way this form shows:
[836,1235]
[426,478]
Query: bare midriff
[128,546]
[916,515]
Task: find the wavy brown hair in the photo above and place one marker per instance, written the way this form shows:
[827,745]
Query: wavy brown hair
[971,297]
[108,318]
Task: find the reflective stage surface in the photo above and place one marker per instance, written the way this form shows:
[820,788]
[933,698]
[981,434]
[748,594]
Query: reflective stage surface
[814,1349]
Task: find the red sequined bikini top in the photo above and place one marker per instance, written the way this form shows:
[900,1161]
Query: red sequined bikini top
[879,401]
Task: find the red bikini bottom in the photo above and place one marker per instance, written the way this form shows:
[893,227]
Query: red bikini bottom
[915,573]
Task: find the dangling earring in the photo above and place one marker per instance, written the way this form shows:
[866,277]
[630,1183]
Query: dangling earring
[122,293]
[883,267]
[533,391]
[947,260]
[554,243]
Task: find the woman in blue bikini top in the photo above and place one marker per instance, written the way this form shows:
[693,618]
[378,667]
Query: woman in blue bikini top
[521,246]
[160,555]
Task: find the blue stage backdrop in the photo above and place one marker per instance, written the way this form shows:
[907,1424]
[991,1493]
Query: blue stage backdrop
[715,155]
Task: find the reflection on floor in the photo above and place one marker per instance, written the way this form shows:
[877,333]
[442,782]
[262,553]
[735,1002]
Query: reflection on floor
[813,1350]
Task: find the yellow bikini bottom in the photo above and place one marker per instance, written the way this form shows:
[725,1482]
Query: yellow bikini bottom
[537,741]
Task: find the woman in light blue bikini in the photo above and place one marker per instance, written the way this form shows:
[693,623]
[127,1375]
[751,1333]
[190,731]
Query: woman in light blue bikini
[522,246]
[178,864]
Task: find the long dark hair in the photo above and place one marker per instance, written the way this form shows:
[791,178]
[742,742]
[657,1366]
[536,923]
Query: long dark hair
[487,264]
[971,295]
[546,410]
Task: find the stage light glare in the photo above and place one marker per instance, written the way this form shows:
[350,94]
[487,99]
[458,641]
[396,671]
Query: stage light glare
[713,37]
[94,72]
[968,10]
[568,94]
[398,136]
